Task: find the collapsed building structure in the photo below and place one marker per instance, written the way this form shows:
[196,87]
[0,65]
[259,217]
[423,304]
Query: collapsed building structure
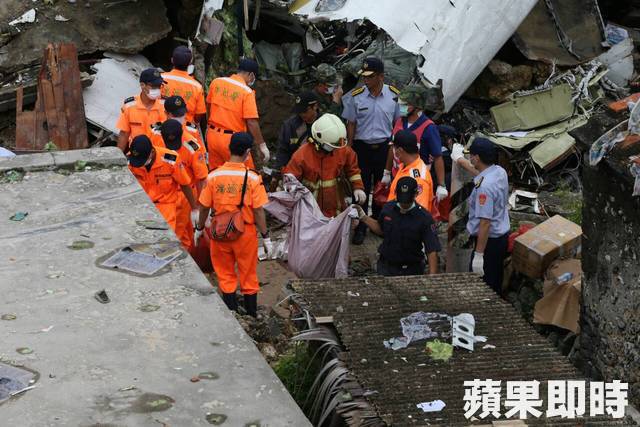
[529,85]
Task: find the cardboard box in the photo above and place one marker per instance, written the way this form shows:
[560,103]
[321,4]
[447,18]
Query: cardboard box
[535,250]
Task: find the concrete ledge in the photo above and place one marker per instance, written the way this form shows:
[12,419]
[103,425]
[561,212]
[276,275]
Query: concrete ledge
[103,156]
[28,162]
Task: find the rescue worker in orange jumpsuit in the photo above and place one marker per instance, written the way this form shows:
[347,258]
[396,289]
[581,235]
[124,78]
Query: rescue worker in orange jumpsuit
[139,113]
[319,164]
[193,160]
[178,82]
[175,108]
[161,174]
[232,108]
[405,147]
[222,194]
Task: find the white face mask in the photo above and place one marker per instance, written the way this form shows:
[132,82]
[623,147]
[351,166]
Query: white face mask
[331,90]
[153,93]
[328,148]
[190,69]
[252,82]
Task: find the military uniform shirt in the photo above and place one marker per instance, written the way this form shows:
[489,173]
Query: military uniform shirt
[406,234]
[489,200]
[293,133]
[374,116]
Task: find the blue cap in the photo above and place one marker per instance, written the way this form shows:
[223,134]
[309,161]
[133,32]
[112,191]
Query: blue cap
[139,151]
[175,106]
[406,190]
[181,56]
[151,76]
[248,65]
[371,66]
[171,132]
[482,146]
[406,139]
[240,142]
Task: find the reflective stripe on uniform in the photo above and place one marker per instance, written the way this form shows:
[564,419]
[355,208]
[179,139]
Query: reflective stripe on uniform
[237,83]
[320,183]
[181,79]
[355,178]
[219,172]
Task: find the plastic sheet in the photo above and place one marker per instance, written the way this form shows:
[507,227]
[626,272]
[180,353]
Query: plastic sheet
[318,246]
[420,326]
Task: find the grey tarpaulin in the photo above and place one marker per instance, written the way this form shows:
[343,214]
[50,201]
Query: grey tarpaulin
[318,246]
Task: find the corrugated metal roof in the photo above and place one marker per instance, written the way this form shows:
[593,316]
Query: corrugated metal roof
[367,311]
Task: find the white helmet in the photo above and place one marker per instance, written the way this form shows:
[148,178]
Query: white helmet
[329,132]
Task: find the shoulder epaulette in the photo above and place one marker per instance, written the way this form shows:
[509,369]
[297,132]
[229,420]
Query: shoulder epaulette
[394,89]
[130,99]
[192,145]
[170,157]
[357,91]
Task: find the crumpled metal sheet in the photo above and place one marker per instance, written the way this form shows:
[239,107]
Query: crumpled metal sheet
[318,246]
[567,32]
[451,35]
[552,149]
[519,140]
[534,110]
[117,78]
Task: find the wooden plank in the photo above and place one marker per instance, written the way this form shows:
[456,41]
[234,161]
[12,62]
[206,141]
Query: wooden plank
[73,100]
[57,88]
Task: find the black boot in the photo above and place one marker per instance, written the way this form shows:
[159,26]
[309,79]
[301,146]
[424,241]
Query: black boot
[231,301]
[251,304]
[359,235]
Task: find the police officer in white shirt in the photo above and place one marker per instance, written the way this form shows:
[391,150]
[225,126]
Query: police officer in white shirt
[488,214]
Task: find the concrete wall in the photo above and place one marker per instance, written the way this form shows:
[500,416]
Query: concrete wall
[610,320]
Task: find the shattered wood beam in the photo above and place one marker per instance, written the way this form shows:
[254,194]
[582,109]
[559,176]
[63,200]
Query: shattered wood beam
[59,112]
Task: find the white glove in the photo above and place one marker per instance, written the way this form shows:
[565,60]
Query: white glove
[359,196]
[265,152]
[441,193]
[196,236]
[477,265]
[457,152]
[360,211]
[386,178]
[268,247]
[194,217]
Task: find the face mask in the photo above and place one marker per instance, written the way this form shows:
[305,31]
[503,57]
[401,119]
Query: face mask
[405,210]
[252,82]
[331,90]
[182,119]
[404,109]
[327,148]
[190,69]
[153,93]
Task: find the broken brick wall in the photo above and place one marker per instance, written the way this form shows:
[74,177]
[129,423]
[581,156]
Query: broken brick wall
[610,318]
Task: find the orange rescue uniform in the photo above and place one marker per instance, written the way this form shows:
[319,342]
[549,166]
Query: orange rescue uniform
[319,172]
[420,172]
[231,103]
[180,83]
[192,156]
[162,182]
[222,194]
[136,119]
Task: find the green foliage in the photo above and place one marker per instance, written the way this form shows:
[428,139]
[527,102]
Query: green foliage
[571,202]
[297,371]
